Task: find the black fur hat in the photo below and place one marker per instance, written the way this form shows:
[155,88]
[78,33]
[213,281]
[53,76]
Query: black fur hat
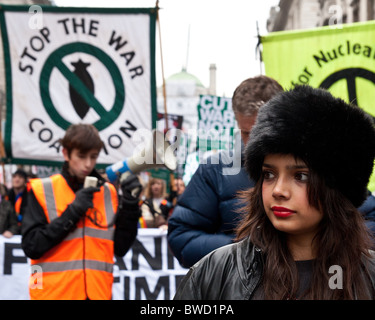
[334,139]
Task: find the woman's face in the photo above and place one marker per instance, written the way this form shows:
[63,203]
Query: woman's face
[285,198]
[157,189]
[179,186]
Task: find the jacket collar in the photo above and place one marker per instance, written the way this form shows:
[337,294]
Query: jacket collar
[250,265]
[72,181]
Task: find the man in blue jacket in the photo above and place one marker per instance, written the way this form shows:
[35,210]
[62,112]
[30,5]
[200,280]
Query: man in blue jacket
[205,216]
[368,211]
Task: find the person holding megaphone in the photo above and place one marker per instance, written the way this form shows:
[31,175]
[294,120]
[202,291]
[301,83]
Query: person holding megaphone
[76,222]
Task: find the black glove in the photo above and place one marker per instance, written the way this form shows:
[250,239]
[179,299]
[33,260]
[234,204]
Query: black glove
[129,202]
[172,195]
[131,188]
[165,206]
[83,200]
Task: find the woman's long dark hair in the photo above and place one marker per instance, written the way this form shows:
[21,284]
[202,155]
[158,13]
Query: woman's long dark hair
[342,240]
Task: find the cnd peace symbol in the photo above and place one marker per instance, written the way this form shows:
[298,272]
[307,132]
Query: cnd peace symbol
[350,76]
[81,86]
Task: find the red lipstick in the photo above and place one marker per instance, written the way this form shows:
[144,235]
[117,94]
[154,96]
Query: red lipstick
[282,212]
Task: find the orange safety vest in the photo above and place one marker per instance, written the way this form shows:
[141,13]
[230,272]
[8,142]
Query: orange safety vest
[17,209]
[79,267]
[17,205]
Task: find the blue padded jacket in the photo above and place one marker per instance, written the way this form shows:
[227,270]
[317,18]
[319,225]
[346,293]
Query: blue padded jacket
[205,216]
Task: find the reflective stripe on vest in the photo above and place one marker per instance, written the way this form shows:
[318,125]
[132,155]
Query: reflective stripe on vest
[51,203]
[84,259]
[50,199]
[76,265]
[91,232]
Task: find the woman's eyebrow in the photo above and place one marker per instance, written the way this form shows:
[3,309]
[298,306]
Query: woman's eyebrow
[291,167]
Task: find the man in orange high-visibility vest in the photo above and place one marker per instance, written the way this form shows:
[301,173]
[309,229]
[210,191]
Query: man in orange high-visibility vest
[71,233]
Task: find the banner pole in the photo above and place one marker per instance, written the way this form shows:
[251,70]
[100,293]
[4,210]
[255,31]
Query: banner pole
[2,157]
[162,69]
[2,149]
[258,50]
[171,174]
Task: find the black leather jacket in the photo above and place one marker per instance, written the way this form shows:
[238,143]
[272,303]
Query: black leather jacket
[232,272]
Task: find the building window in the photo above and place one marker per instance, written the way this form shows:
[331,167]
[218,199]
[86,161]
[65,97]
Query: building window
[355,10]
[370,9]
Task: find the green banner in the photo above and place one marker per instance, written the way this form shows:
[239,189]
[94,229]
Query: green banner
[340,59]
[215,123]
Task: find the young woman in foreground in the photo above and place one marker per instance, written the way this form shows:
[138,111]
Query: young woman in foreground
[301,236]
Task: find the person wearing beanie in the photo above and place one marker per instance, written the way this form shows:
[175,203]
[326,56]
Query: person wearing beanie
[301,236]
[18,195]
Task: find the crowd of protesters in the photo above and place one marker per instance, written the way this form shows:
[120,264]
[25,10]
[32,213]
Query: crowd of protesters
[299,204]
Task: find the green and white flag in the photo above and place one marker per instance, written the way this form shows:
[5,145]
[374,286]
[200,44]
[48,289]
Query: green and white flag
[215,123]
[77,65]
[340,59]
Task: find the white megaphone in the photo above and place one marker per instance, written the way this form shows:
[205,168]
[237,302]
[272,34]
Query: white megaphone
[162,156]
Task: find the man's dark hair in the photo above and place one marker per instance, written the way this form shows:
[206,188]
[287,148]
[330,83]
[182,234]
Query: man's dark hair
[83,137]
[252,93]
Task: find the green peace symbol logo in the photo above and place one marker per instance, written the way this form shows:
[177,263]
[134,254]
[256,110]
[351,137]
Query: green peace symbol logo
[55,61]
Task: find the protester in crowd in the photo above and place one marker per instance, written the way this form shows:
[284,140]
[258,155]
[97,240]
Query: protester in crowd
[8,218]
[168,204]
[205,216]
[311,156]
[177,189]
[72,232]
[152,216]
[17,194]
[368,211]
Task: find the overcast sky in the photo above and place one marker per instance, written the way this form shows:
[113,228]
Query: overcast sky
[222,32]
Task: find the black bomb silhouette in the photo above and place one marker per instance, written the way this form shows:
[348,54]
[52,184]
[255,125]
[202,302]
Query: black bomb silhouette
[79,103]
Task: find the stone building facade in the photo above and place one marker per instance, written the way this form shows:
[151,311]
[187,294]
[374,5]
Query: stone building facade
[304,14]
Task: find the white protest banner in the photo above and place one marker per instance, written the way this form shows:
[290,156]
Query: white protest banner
[148,271]
[14,270]
[77,65]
